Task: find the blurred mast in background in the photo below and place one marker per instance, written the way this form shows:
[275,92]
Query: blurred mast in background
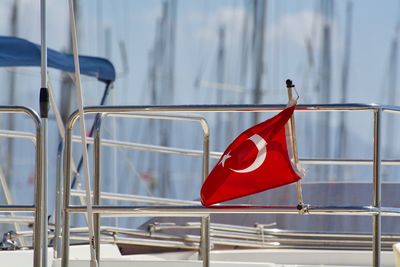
[391,88]
[259,21]
[11,100]
[67,83]
[244,59]
[165,72]
[324,87]
[66,90]
[244,62]
[341,147]
[220,137]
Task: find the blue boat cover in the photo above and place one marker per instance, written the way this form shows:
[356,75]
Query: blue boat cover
[16,52]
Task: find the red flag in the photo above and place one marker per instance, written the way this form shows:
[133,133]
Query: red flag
[257,160]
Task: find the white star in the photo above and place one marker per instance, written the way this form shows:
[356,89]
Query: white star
[224,158]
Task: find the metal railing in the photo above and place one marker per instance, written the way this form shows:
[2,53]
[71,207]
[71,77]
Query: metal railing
[230,236]
[96,193]
[37,207]
[375,210]
[137,198]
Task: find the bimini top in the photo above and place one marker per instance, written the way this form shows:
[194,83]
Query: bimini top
[17,52]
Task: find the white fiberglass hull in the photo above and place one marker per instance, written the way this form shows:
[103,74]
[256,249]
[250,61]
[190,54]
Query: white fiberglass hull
[243,258]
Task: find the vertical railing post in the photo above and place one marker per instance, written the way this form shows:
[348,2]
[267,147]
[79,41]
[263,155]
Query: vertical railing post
[37,254]
[376,197]
[58,212]
[96,190]
[205,221]
[45,182]
[205,240]
[66,197]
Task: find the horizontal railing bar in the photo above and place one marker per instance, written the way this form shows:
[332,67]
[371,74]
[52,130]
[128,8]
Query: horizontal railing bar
[142,113]
[140,241]
[111,230]
[258,237]
[328,236]
[143,147]
[27,233]
[161,116]
[114,110]
[235,108]
[16,219]
[390,109]
[269,239]
[217,155]
[359,162]
[137,198]
[200,211]
[143,234]
[229,227]
[225,238]
[18,134]
[390,211]
[17,208]
[232,242]
[168,226]
[288,240]
[259,231]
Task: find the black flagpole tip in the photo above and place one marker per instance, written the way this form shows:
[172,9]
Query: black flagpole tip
[289,83]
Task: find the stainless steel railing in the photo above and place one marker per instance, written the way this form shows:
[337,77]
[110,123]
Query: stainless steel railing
[68,135]
[138,198]
[37,207]
[375,210]
[237,237]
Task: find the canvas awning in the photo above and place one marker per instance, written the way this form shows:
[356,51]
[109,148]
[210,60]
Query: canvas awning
[16,52]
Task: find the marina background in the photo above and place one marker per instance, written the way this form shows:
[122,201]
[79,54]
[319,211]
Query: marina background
[212,52]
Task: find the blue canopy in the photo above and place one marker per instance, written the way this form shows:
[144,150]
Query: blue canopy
[16,52]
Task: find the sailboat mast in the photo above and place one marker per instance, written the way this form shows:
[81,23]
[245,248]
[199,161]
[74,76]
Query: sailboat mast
[244,52]
[258,45]
[167,58]
[67,84]
[324,84]
[220,80]
[11,101]
[171,46]
[392,86]
[342,145]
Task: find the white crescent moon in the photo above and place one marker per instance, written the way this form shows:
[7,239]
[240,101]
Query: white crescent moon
[261,145]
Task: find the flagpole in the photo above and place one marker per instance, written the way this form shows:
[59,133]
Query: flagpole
[290,86]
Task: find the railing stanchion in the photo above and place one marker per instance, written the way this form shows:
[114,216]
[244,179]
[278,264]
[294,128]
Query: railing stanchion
[37,254]
[205,241]
[96,190]
[376,198]
[58,210]
[205,221]
[67,192]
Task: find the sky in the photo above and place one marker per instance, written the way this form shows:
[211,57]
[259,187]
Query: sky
[288,25]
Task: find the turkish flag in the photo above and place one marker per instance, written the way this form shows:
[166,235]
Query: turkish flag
[257,160]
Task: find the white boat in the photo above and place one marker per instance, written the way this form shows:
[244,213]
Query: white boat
[217,244]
